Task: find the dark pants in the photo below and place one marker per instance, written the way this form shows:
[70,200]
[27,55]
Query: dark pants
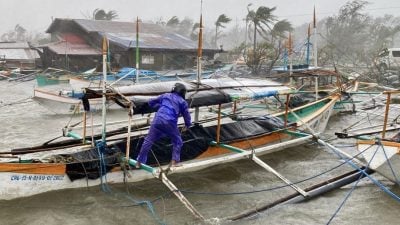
[161,128]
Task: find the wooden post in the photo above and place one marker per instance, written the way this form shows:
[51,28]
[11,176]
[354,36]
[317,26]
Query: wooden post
[219,123]
[128,136]
[287,108]
[84,128]
[339,83]
[92,128]
[104,84]
[386,114]
[316,88]
[234,107]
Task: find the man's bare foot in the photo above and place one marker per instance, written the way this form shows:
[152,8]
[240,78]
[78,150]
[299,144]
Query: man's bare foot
[138,165]
[174,163]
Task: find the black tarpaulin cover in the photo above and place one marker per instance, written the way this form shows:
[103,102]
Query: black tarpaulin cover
[195,141]
[194,99]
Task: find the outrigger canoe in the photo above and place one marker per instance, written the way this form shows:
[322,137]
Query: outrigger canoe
[232,138]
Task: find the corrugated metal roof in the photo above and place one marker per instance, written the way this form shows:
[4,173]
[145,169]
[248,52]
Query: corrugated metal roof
[150,35]
[8,45]
[153,41]
[19,54]
[118,27]
[73,49]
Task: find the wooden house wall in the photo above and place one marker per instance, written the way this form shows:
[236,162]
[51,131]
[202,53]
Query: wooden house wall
[75,63]
[164,59]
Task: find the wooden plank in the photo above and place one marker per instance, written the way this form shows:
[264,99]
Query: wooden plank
[244,144]
[385,143]
[34,168]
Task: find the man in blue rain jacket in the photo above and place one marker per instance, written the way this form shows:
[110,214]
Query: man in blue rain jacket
[170,106]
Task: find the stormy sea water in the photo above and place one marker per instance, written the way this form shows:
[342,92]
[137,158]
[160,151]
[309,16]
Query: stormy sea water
[218,192]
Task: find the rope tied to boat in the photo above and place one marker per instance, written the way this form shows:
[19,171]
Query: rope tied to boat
[21,101]
[353,188]
[352,164]
[101,149]
[379,142]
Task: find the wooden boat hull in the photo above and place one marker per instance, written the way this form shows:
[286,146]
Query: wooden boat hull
[43,80]
[314,115]
[384,158]
[29,180]
[26,179]
[60,104]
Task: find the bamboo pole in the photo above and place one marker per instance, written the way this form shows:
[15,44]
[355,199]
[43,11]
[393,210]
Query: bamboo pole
[386,114]
[315,40]
[199,56]
[128,136]
[287,109]
[219,124]
[258,161]
[163,177]
[181,197]
[316,88]
[84,128]
[105,47]
[313,191]
[137,50]
[290,59]
[280,176]
[92,128]
[392,92]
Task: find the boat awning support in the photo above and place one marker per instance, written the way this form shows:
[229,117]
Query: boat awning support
[386,114]
[163,177]
[265,166]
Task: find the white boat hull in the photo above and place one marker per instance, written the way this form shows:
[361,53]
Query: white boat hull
[16,185]
[384,159]
[317,120]
[60,104]
[20,184]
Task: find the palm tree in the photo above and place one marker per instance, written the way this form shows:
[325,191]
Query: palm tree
[101,14]
[222,19]
[280,28]
[173,22]
[194,34]
[20,32]
[262,20]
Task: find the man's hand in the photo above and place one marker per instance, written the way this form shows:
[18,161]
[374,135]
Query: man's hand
[183,129]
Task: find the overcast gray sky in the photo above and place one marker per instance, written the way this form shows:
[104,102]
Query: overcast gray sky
[36,14]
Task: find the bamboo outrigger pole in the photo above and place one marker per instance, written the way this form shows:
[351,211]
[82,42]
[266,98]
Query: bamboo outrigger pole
[181,197]
[160,174]
[264,165]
